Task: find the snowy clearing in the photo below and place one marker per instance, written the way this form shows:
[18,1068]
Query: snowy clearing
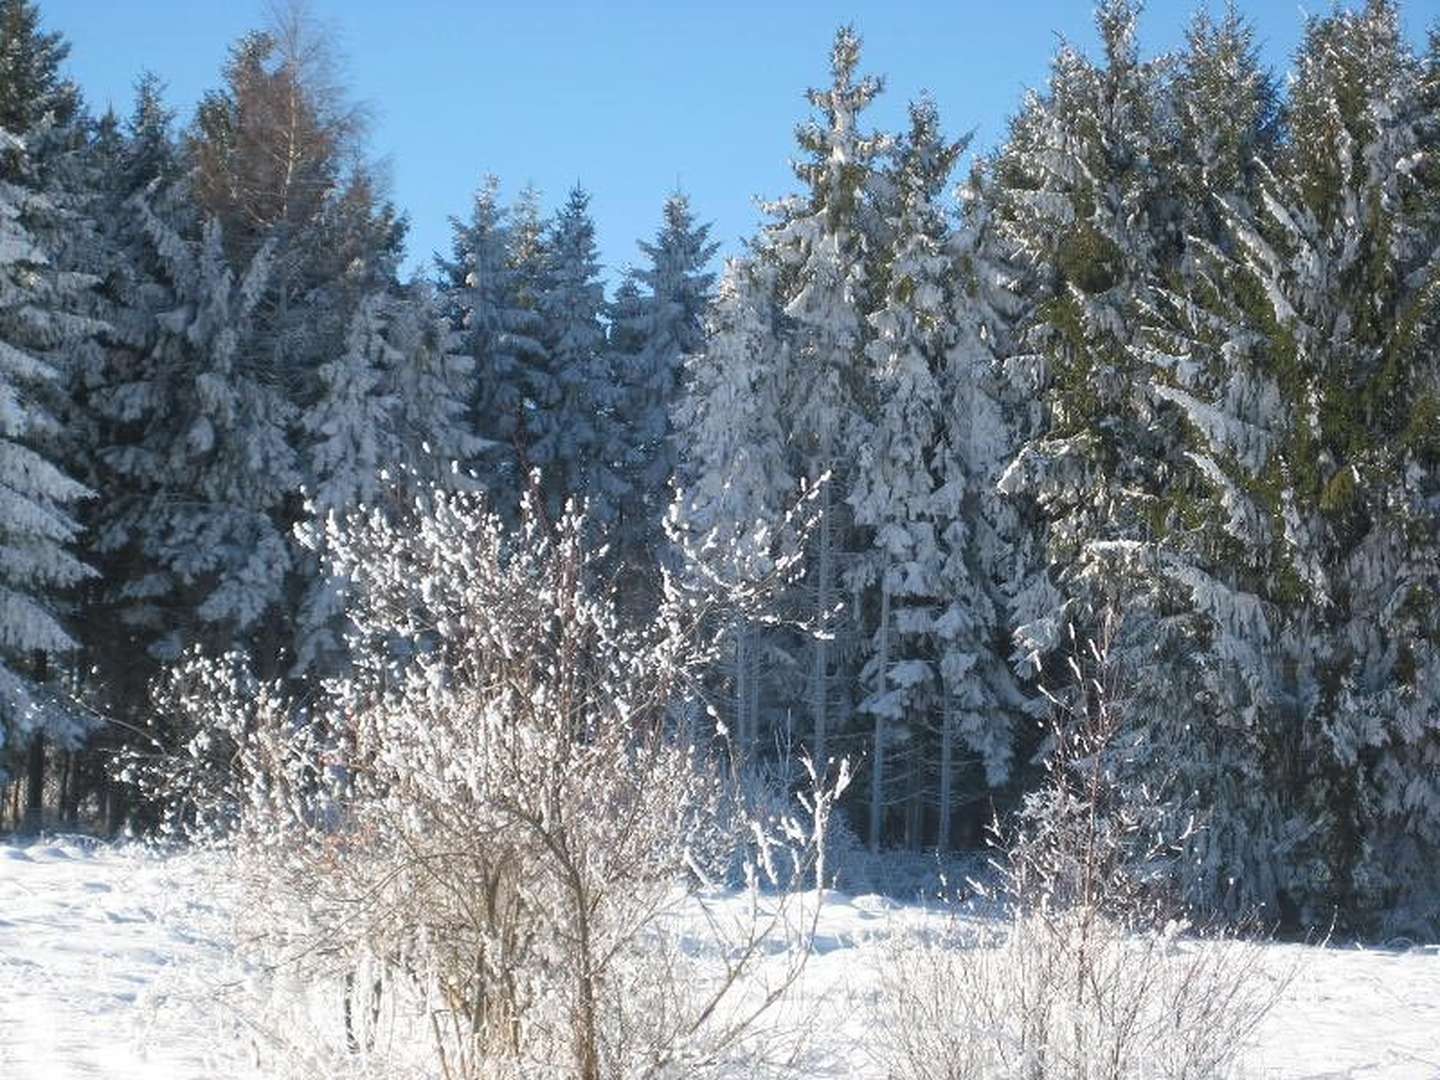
[117,964]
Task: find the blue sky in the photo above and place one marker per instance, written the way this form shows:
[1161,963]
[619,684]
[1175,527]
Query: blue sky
[628,98]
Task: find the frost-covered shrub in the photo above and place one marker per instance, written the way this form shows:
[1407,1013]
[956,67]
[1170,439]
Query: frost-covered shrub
[1093,972]
[1072,995]
[490,838]
[766,793]
[1092,835]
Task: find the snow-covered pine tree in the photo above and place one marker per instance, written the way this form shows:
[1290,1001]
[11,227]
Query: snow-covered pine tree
[37,530]
[898,477]
[330,378]
[1002,294]
[351,443]
[735,476]
[537,395]
[45,339]
[277,159]
[351,426]
[1203,355]
[1320,451]
[820,243]
[1227,121]
[998,299]
[1083,200]
[32,87]
[582,448]
[480,292]
[626,324]
[985,557]
[124,159]
[39,105]
[431,378]
[210,465]
[1085,206]
[651,333]
[393,419]
[637,536]
[59,164]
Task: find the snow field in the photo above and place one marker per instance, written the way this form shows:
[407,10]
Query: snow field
[115,963]
[110,961]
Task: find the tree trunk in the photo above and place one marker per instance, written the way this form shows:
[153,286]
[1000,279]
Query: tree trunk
[744,722]
[914,808]
[946,796]
[77,786]
[820,673]
[113,804]
[34,786]
[35,763]
[877,762]
[586,1023]
[67,780]
[752,682]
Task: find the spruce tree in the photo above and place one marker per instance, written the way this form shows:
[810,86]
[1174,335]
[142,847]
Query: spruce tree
[993,574]
[901,465]
[652,332]
[821,245]
[1084,201]
[538,392]
[580,448]
[1203,735]
[210,464]
[45,339]
[736,482]
[625,336]
[351,443]
[393,420]
[430,377]
[1085,208]
[126,160]
[32,88]
[480,291]
[276,156]
[1312,335]
[37,530]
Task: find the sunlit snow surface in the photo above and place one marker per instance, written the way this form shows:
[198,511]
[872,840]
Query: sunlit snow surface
[116,964]
[107,960]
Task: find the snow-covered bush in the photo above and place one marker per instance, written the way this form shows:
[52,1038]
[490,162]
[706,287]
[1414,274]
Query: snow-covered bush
[1091,836]
[1095,972]
[1070,994]
[492,839]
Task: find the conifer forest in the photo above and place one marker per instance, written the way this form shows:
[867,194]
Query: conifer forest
[1115,445]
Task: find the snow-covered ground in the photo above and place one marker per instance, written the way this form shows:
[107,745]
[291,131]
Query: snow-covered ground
[117,964]
[109,960]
